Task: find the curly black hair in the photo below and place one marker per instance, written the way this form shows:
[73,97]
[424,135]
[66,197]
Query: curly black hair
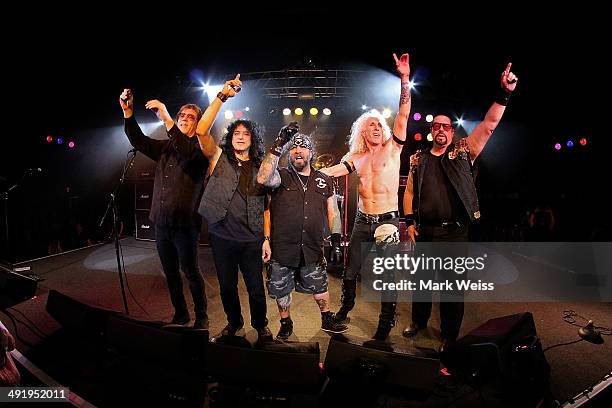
[256,151]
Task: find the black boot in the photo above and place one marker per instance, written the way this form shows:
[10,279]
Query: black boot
[386,320]
[330,325]
[286,329]
[349,292]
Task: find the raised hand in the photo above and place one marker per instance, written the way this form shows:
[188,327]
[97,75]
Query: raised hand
[402,64]
[508,79]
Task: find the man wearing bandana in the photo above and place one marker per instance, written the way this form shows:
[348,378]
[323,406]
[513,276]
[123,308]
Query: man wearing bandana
[301,199]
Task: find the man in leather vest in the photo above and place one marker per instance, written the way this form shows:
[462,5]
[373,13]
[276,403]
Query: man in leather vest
[233,205]
[440,201]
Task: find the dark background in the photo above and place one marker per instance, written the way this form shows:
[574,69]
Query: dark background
[64,77]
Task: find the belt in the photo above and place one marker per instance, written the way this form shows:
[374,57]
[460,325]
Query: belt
[376,218]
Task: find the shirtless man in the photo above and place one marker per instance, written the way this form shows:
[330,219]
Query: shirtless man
[374,153]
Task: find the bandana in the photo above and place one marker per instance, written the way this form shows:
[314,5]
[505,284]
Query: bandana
[300,140]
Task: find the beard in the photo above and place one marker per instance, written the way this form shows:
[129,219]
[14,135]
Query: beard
[303,163]
[441,144]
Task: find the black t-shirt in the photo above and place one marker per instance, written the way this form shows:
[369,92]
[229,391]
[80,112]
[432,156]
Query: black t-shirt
[235,226]
[439,200]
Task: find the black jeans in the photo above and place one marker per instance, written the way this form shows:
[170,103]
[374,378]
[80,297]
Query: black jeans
[362,240]
[229,255]
[451,305]
[178,247]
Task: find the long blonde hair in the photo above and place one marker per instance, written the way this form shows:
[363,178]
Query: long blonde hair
[356,140]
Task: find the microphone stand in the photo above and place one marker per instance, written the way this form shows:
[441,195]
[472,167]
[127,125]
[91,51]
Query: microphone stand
[5,196]
[112,207]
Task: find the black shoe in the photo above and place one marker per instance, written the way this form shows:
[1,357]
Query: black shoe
[330,324]
[341,317]
[447,346]
[179,320]
[264,335]
[200,323]
[229,331]
[286,329]
[383,330]
[412,330]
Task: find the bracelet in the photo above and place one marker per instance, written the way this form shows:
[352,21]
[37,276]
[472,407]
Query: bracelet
[222,96]
[409,219]
[503,97]
[266,238]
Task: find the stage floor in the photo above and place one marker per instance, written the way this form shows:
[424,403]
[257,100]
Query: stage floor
[89,275]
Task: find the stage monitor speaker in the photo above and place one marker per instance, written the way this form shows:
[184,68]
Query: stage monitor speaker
[506,353]
[485,351]
[380,364]
[291,366]
[170,346]
[15,288]
[145,229]
[75,315]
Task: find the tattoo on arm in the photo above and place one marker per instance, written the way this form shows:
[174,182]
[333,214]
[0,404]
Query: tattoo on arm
[268,173]
[405,94]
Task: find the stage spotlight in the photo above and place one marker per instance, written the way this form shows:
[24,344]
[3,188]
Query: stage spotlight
[570,143]
[416,116]
[583,141]
[49,139]
[298,111]
[557,146]
[429,118]
[212,91]
[71,144]
[386,113]
[60,140]
[411,84]
[239,114]
[286,111]
[327,111]
[418,137]
[429,137]
[247,109]
[460,122]
[314,111]
[229,114]
[364,107]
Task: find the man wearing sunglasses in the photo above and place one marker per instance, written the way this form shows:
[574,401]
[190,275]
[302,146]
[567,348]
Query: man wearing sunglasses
[374,153]
[440,201]
[179,177]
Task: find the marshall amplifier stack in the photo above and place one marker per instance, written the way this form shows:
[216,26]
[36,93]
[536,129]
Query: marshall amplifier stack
[143,191]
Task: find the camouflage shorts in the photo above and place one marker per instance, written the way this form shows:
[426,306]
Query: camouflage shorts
[311,278]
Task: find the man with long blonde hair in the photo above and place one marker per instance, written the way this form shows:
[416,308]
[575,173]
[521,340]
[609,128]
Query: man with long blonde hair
[374,153]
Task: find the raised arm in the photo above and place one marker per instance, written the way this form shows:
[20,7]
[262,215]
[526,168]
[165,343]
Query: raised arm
[207,142]
[268,171]
[149,147]
[400,125]
[483,131]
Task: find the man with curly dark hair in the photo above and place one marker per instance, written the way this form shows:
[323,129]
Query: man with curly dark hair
[233,205]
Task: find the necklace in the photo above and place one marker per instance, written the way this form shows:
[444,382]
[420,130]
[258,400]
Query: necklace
[304,185]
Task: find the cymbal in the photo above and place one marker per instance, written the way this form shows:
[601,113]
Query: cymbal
[324,160]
